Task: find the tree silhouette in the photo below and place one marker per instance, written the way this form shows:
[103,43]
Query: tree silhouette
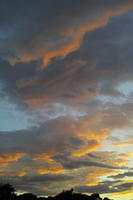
[65,194]
[7,192]
[95,197]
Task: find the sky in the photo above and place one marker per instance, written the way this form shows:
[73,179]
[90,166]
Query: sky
[66,96]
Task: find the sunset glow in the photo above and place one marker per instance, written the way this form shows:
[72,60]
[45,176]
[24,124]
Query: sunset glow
[66,96]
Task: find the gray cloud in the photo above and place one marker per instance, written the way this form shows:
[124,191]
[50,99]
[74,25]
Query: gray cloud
[77,163]
[120,176]
[99,70]
[105,187]
[47,178]
[30,33]
[30,183]
[104,160]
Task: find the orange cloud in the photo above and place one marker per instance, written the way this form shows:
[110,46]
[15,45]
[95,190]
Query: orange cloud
[123,194]
[95,178]
[52,166]
[72,35]
[87,148]
[50,171]
[12,174]
[10,157]
[21,174]
[119,144]
[126,155]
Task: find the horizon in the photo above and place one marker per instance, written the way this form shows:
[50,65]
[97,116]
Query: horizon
[66,96]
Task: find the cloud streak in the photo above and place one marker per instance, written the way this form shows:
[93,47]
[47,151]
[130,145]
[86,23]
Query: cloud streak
[61,35]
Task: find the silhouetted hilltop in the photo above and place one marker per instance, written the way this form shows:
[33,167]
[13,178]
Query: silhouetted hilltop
[7,192]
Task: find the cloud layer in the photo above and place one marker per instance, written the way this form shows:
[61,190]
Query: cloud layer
[65,66]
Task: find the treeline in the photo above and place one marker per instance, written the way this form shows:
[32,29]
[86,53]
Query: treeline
[7,192]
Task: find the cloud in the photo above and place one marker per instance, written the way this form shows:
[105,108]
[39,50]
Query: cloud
[124,143]
[106,160]
[74,164]
[10,157]
[56,135]
[101,188]
[123,175]
[48,178]
[90,72]
[75,104]
[105,187]
[31,38]
[30,183]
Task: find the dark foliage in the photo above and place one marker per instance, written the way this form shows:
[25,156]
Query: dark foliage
[7,192]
